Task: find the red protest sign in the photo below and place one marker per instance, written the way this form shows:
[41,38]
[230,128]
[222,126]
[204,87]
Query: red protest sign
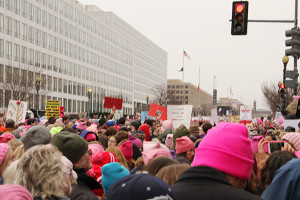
[110,102]
[158,111]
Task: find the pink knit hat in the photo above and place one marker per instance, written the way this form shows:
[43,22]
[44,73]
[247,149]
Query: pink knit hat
[5,137]
[81,126]
[69,166]
[293,139]
[14,192]
[95,148]
[169,140]
[148,146]
[254,144]
[3,151]
[227,148]
[183,144]
[127,150]
[150,155]
[135,141]
[93,128]
[167,124]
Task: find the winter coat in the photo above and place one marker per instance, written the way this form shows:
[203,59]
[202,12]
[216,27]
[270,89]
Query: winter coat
[203,182]
[84,187]
[286,182]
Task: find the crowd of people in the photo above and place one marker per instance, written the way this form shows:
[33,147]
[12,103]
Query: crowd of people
[91,159]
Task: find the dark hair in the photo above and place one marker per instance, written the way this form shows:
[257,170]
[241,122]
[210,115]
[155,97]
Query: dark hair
[273,163]
[103,139]
[158,163]
[118,140]
[184,155]
[122,135]
[140,136]
[122,120]
[150,122]
[65,118]
[110,131]
[88,123]
[69,130]
[183,160]
[206,126]
[30,121]
[171,173]
[51,120]
[9,123]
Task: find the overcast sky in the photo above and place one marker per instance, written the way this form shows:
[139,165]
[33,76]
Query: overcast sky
[203,30]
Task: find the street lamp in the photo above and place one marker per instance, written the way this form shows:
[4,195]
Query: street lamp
[89,101]
[38,80]
[285,61]
[147,98]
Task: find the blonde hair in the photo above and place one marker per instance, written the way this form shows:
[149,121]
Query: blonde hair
[170,173]
[14,143]
[42,172]
[19,151]
[119,155]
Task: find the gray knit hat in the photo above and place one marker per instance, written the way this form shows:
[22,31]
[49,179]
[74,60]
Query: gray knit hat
[70,144]
[36,135]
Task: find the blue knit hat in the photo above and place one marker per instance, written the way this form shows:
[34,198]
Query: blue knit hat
[110,123]
[112,172]
[140,187]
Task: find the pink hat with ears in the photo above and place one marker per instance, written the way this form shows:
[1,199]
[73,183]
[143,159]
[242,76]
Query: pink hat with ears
[148,146]
[95,148]
[127,150]
[167,124]
[6,137]
[3,151]
[93,128]
[150,155]
[81,126]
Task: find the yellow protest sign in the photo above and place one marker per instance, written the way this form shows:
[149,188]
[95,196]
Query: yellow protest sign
[52,108]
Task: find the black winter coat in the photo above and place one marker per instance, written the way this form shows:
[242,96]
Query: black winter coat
[203,182]
[84,187]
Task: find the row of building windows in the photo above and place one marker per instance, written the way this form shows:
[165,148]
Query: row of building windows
[178,86]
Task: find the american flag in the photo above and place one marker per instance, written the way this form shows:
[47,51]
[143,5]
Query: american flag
[185,54]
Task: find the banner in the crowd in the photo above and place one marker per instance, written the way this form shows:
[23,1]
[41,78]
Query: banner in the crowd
[214,116]
[180,114]
[246,113]
[157,111]
[144,116]
[278,115]
[110,102]
[61,111]
[292,123]
[53,108]
[16,111]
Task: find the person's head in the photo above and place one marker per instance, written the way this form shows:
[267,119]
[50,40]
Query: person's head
[14,143]
[31,121]
[75,148]
[51,120]
[151,124]
[158,163]
[1,121]
[6,157]
[134,125]
[179,132]
[119,155]
[185,148]
[122,121]
[110,131]
[123,135]
[170,173]
[140,186]
[103,139]
[126,147]
[10,123]
[270,137]
[66,120]
[206,126]
[19,152]
[42,172]
[227,148]
[36,135]
[194,130]
[293,139]
[113,141]
[273,163]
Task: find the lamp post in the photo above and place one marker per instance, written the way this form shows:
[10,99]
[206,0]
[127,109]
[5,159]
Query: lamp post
[147,98]
[285,61]
[38,80]
[89,101]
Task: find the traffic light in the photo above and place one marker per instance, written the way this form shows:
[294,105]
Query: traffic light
[281,90]
[239,18]
[293,42]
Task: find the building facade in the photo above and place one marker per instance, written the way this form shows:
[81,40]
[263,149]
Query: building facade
[73,48]
[184,93]
[228,105]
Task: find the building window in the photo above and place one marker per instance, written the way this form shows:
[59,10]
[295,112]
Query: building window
[17,28]
[8,25]
[24,8]
[1,48]
[17,6]
[1,22]
[24,31]
[186,86]
[8,4]
[31,11]
[8,50]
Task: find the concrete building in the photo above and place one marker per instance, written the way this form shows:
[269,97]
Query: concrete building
[184,93]
[224,105]
[73,48]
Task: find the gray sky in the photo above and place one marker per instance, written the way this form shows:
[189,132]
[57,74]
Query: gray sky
[202,29]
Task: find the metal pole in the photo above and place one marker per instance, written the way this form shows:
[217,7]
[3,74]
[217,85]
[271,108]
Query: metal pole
[88,109]
[296,13]
[283,99]
[295,69]
[183,66]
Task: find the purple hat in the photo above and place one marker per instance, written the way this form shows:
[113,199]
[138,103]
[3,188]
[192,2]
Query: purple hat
[135,141]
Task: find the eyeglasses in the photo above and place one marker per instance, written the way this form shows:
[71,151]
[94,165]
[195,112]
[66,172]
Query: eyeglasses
[112,141]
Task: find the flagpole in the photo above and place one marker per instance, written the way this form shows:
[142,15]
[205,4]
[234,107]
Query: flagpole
[199,89]
[183,66]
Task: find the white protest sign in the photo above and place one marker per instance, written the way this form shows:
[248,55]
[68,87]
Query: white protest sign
[17,111]
[180,114]
[214,116]
[246,113]
[292,123]
[278,115]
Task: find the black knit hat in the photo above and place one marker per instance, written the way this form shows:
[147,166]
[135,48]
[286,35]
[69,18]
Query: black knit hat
[71,145]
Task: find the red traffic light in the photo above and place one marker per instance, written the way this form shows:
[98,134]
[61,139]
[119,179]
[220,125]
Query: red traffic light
[239,8]
[282,86]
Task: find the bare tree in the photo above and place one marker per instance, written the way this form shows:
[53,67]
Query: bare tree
[160,93]
[171,98]
[272,98]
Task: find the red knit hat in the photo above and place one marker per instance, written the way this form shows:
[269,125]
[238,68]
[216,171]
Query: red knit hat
[145,128]
[183,144]
[127,149]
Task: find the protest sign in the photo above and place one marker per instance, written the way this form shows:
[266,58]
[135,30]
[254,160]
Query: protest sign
[214,116]
[278,115]
[180,114]
[158,111]
[292,123]
[110,102]
[53,108]
[246,113]
[144,116]
[16,111]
